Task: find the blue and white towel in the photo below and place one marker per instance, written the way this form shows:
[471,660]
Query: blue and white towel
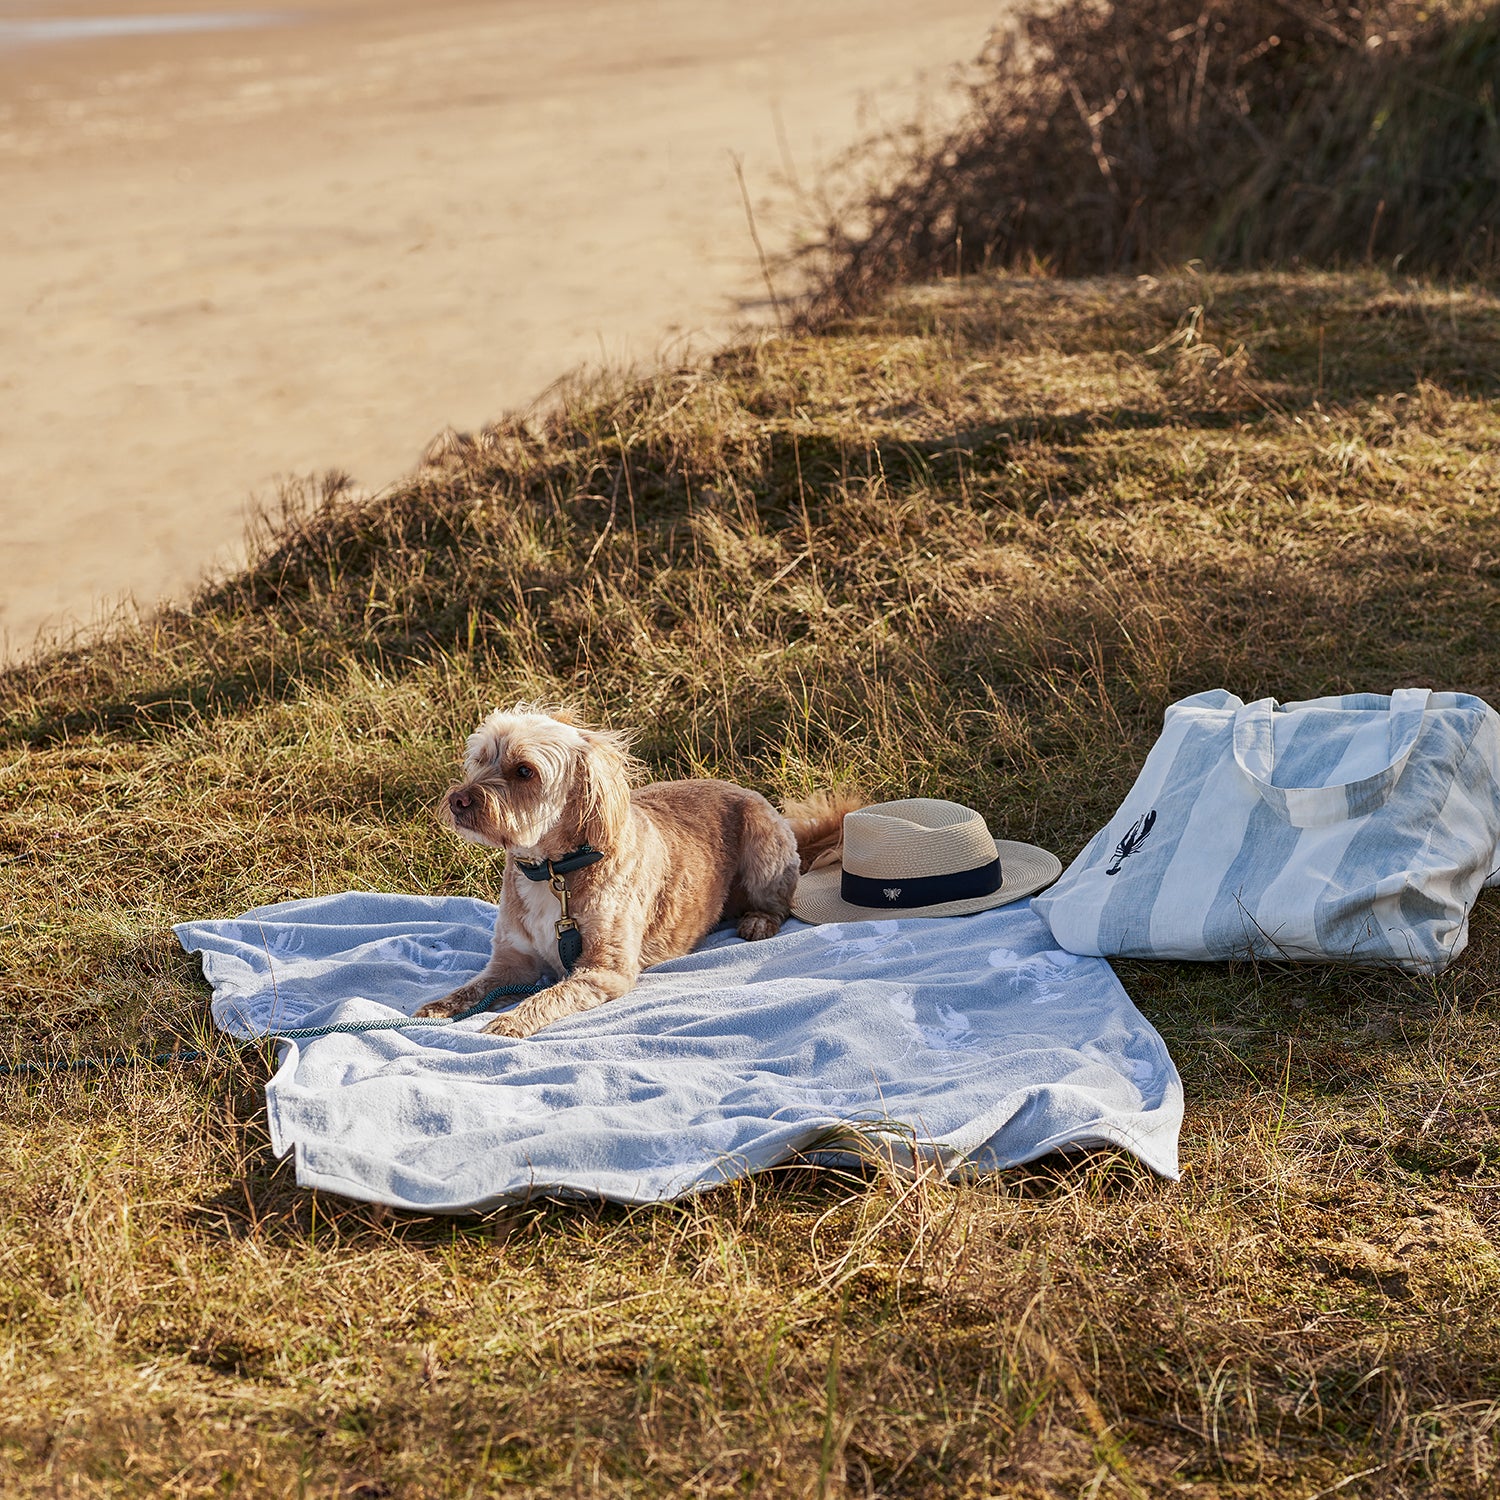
[973,1042]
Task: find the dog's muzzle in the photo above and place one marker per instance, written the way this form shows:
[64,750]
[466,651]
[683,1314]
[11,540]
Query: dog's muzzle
[462,805]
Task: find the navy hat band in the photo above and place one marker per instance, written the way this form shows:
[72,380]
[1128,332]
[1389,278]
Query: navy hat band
[895,894]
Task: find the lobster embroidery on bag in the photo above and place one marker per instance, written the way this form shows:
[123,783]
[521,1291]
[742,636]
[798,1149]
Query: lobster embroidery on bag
[1135,836]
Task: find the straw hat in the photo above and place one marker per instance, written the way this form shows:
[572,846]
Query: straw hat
[921,857]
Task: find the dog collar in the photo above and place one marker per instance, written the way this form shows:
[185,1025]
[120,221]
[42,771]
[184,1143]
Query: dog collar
[574,859]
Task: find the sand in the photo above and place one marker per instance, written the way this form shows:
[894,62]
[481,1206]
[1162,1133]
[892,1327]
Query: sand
[235,255]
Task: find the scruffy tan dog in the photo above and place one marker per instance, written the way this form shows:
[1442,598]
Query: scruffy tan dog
[648,873]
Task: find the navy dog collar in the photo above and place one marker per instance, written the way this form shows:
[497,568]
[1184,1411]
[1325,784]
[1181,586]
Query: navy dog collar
[574,859]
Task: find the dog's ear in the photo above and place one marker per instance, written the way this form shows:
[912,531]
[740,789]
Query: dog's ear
[605,771]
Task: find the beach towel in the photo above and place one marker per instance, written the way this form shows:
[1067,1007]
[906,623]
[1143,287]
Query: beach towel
[972,1043]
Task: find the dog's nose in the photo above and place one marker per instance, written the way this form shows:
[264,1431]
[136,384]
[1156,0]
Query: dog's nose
[460,801]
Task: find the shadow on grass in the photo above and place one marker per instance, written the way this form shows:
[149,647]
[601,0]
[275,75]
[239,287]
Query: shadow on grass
[434,573]
[970,456]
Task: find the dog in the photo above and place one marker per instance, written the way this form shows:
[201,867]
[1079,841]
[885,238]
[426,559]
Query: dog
[647,873]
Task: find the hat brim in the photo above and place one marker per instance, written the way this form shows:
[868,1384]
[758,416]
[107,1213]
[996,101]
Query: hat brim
[1024,870]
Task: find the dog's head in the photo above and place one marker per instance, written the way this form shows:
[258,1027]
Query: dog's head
[538,784]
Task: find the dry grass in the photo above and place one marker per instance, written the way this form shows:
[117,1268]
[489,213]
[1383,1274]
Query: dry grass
[1102,136]
[969,544]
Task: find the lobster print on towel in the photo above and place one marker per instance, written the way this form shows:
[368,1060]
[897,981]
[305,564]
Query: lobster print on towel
[1134,838]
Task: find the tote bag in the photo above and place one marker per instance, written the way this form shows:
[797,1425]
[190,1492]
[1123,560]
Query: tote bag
[1357,829]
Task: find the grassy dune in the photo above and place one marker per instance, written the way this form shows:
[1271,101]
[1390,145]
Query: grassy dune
[970,543]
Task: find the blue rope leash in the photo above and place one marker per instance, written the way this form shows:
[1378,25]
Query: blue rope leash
[291,1034]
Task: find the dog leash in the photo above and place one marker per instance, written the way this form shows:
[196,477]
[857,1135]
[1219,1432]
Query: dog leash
[555,873]
[290,1034]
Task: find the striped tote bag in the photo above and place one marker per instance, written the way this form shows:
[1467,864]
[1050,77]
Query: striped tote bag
[1357,829]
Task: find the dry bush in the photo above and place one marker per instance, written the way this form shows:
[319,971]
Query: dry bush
[1103,136]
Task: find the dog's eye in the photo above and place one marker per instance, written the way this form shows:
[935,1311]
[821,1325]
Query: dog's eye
[524,772]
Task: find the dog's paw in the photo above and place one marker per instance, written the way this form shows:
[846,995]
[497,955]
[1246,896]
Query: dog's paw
[755,925]
[509,1024]
[449,1005]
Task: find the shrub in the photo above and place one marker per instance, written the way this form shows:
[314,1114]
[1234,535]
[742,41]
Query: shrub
[1104,137]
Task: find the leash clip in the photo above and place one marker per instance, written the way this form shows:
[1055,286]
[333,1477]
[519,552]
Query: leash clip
[569,934]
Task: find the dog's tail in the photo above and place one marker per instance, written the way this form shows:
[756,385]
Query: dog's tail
[818,824]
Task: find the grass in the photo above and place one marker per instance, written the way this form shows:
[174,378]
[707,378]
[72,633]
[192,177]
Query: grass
[970,543]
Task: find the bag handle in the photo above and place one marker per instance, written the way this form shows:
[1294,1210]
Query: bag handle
[1314,806]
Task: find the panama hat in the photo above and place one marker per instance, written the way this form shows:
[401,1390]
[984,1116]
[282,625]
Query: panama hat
[921,857]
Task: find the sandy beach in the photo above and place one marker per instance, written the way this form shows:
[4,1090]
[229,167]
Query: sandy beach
[309,238]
